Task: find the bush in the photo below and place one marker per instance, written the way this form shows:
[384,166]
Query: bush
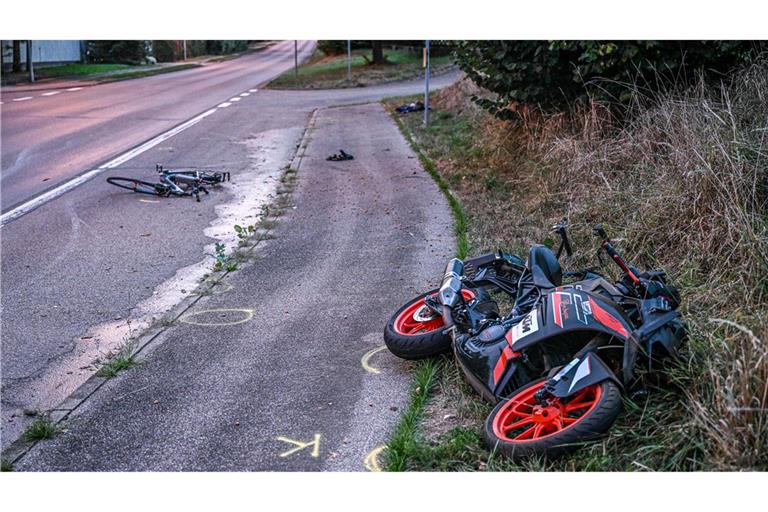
[118,52]
[555,74]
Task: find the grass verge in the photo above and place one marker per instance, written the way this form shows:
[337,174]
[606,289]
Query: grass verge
[681,184]
[330,71]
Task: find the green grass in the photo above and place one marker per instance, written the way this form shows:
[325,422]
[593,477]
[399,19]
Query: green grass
[122,361]
[404,443]
[41,428]
[329,72]
[6,466]
[78,69]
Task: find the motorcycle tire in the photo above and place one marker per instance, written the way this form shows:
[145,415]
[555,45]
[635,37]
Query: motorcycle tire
[520,428]
[415,332]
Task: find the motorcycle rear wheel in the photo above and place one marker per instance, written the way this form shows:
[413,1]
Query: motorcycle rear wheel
[416,332]
[520,428]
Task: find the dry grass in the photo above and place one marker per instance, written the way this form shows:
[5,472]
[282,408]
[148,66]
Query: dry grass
[683,185]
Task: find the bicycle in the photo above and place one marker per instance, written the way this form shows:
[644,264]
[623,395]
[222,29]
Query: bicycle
[177,183]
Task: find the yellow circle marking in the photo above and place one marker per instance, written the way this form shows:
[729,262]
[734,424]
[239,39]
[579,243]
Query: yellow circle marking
[188,318]
[367,357]
[372,459]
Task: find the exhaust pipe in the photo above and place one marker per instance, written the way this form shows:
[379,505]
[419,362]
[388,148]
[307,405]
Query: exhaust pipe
[451,288]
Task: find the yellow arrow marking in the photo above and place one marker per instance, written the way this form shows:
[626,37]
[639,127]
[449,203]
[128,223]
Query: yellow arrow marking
[372,459]
[367,357]
[301,445]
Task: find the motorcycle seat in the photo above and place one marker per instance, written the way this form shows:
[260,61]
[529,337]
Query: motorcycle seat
[543,265]
[542,272]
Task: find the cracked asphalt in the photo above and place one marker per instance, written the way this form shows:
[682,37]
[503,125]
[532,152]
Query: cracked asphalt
[364,236]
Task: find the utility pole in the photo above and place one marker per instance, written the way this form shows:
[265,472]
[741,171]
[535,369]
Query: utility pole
[185,49]
[30,67]
[349,60]
[426,84]
[296,59]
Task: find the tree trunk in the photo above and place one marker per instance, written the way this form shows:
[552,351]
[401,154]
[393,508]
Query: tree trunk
[378,53]
[16,57]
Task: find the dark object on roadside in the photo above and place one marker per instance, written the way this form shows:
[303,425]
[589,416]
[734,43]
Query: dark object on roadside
[176,183]
[558,363]
[340,156]
[416,106]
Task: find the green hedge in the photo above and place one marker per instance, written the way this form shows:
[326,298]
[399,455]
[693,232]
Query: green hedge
[555,74]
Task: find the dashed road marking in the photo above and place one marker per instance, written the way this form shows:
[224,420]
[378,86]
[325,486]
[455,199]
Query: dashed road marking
[367,357]
[245,94]
[223,105]
[235,99]
[252,90]
[52,93]
[73,89]
[66,187]
[147,201]
[25,98]
[371,460]
[301,445]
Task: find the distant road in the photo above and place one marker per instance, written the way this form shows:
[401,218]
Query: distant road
[51,135]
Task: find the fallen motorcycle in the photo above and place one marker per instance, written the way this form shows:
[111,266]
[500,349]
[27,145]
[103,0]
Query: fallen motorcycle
[557,364]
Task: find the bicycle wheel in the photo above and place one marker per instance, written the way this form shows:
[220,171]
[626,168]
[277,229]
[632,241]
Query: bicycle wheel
[142,187]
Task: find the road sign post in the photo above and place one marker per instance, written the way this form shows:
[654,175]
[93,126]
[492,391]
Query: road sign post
[426,84]
[30,66]
[296,59]
[349,60]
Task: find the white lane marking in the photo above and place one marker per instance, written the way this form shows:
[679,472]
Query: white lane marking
[224,105]
[245,94]
[25,98]
[51,93]
[66,187]
[73,89]
[252,90]
[235,99]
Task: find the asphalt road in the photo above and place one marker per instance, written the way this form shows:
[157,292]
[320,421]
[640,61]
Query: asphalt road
[75,270]
[365,234]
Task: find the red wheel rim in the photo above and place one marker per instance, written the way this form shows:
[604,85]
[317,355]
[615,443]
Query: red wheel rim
[407,324]
[522,419]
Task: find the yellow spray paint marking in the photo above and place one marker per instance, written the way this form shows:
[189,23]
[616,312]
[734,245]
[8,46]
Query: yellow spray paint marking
[148,201]
[372,459]
[301,445]
[367,357]
[188,318]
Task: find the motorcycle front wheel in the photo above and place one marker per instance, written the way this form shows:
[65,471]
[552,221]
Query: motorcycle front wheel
[416,332]
[520,427]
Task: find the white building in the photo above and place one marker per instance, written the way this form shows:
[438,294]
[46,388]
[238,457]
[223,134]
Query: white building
[45,52]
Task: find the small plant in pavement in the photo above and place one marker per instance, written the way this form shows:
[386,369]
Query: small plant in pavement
[122,361]
[243,233]
[221,257]
[6,466]
[41,428]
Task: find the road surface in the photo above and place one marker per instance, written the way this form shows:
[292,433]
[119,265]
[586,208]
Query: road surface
[95,266]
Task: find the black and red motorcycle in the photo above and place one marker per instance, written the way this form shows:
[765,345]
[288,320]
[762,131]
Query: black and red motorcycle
[558,363]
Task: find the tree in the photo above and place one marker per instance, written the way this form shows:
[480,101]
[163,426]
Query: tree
[378,53]
[16,57]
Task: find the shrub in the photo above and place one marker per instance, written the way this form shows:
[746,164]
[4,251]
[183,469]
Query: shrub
[555,74]
[118,52]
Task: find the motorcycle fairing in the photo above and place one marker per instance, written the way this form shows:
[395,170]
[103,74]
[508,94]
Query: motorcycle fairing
[489,360]
[585,372]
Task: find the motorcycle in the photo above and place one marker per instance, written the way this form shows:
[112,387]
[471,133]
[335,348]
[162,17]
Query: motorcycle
[557,365]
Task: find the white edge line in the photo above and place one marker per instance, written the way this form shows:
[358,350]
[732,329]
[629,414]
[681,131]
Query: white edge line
[50,93]
[66,187]
[73,89]
[25,98]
